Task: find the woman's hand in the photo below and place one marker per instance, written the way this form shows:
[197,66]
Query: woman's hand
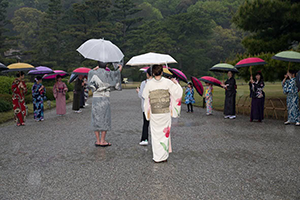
[96,68]
[251,79]
[137,89]
[174,80]
[120,67]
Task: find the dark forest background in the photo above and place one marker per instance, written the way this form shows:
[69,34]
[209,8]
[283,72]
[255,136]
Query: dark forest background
[197,33]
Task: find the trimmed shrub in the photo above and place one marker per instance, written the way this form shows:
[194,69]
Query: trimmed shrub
[69,86]
[67,96]
[28,99]
[6,97]
[49,93]
[29,87]
[5,106]
[5,84]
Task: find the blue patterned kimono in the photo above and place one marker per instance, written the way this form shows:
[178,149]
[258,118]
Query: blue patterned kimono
[292,100]
[38,101]
[189,95]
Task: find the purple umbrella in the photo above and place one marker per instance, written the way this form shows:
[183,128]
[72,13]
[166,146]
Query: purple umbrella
[40,71]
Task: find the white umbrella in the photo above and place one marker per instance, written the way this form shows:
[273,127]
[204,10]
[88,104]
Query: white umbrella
[101,50]
[151,59]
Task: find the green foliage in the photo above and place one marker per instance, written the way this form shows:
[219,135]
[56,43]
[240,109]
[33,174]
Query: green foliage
[67,96]
[49,93]
[5,105]
[29,87]
[70,86]
[6,97]
[5,84]
[28,99]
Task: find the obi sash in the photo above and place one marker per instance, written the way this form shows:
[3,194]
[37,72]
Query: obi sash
[160,101]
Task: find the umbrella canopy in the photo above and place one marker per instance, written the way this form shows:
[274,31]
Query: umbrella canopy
[19,67]
[298,79]
[166,71]
[198,85]
[73,77]
[289,56]
[40,70]
[179,74]
[151,59]
[53,75]
[223,67]
[250,62]
[212,80]
[3,67]
[101,50]
[81,71]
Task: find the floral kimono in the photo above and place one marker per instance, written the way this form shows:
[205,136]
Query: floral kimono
[209,99]
[292,100]
[38,101]
[162,101]
[18,98]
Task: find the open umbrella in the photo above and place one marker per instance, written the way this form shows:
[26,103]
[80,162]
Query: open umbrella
[249,62]
[19,67]
[81,71]
[223,67]
[289,56]
[40,71]
[3,67]
[210,79]
[179,74]
[53,75]
[101,50]
[151,59]
[73,77]
[198,85]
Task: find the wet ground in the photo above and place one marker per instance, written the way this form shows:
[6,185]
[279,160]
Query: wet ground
[212,158]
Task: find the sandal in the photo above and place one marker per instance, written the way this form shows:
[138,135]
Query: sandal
[103,145]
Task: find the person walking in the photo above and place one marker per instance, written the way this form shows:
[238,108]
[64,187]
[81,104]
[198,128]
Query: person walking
[78,88]
[230,94]
[162,102]
[145,132]
[19,90]
[258,97]
[292,100]
[38,95]
[59,92]
[189,97]
[101,81]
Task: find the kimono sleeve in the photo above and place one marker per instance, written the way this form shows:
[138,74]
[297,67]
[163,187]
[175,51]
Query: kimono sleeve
[231,85]
[140,93]
[54,91]
[175,95]
[65,90]
[147,108]
[115,79]
[91,85]
[35,91]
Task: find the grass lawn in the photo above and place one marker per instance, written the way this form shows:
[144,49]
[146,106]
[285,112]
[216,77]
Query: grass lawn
[9,115]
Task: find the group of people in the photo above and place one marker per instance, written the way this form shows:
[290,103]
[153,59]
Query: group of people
[161,100]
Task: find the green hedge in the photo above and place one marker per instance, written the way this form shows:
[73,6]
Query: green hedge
[5,84]
[28,99]
[6,97]
[49,93]
[5,105]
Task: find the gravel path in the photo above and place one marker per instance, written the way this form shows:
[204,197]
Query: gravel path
[212,158]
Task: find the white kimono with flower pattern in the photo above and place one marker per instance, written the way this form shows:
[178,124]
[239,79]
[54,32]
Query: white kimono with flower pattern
[162,101]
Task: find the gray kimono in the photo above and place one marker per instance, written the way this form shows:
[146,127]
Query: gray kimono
[101,82]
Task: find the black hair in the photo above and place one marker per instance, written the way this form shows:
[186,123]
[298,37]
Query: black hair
[293,71]
[157,70]
[149,71]
[20,74]
[261,76]
[38,78]
[102,64]
[189,83]
[58,76]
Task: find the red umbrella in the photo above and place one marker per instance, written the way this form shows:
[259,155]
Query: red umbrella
[81,71]
[53,75]
[179,74]
[212,80]
[198,85]
[249,62]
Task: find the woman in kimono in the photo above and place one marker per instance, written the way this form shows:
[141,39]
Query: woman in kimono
[230,93]
[258,97]
[59,91]
[209,98]
[18,97]
[101,81]
[292,99]
[189,97]
[38,94]
[162,101]
[77,96]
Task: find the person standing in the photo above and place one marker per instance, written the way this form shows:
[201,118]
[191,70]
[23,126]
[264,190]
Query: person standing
[230,94]
[18,98]
[258,97]
[162,101]
[100,81]
[189,97]
[59,92]
[78,88]
[145,133]
[38,95]
[292,99]
[209,98]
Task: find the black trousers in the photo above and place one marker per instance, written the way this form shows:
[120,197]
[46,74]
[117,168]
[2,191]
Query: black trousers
[190,106]
[145,129]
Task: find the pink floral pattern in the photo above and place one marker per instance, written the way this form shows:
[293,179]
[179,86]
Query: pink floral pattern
[167,131]
[178,102]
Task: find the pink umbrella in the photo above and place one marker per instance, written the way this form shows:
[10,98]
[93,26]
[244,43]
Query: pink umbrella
[179,74]
[81,71]
[210,79]
[53,75]
[249,62]
[198,85]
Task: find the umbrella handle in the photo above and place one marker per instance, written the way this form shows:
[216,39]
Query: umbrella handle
[289,66]
[251,70]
